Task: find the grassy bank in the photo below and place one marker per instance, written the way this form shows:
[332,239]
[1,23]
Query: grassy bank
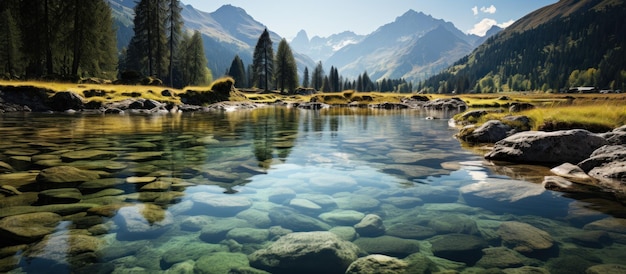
[595,112]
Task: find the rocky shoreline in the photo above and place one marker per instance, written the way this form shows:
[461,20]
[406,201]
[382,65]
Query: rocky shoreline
[582,161]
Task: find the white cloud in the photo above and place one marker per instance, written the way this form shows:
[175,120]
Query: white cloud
[491,9]
[482,27]
[475,10]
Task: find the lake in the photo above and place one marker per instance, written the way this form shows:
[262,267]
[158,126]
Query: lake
[200,192]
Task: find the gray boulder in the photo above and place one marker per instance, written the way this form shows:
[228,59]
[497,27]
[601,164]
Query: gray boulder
[447,104]
[306,252]
[547,147]
[604,155]
[573,173]
[489,132]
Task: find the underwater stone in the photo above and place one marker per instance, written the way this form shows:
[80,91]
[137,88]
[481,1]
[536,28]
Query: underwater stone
[27,228]
[58,248]
[342,217]
[388,245]
[256,217]
[377,263]
[458,247]
[524,238]
[499,257]
[248,235]
[66,174]
[88,154]
[220,262]
[606,268]
[302,253]
[347,233]
[60,196]
[291,219]
[220,204]
[145,219]
[370,226]
[410,231]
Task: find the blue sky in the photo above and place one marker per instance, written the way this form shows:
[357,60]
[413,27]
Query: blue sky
[327,17]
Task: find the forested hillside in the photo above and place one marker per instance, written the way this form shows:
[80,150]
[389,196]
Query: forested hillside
[570,43]
[56,39]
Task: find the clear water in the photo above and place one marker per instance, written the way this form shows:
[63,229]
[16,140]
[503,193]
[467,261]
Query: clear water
[218,183]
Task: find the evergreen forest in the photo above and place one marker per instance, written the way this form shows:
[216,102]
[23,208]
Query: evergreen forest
[586,48]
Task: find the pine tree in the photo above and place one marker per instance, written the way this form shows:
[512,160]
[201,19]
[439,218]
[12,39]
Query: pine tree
[174,32]
[194,70]
[238,72]
[263,62]
[10,41]
[305,81]
[286,70]
[318,77]
[146,50]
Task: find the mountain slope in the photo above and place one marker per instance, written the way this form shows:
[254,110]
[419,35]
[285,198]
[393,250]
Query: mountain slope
[570,43]
[386,52]
[226,32]
[321,48]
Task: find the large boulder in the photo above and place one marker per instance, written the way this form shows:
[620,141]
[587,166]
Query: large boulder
[604,155]
[547,147]
[65,100]
[489,132]
[306,252]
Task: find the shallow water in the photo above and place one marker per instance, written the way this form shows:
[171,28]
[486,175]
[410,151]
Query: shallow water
[179,193]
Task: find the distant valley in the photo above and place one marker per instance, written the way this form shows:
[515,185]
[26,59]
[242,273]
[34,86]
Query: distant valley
[414,46]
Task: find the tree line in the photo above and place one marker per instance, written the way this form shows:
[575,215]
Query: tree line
[56,39]
[160,48]
[269,71]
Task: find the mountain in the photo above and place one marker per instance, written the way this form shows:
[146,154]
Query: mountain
[225,32]
[413,47]
[569,43]
[321,48]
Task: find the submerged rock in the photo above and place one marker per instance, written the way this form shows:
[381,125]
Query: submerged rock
[458,247]
[28,228]
[524,238]
[306,252]
[145,220]
[291,219]
[220,262]
[388,245]
[66,174]
[377,263]
[370,226]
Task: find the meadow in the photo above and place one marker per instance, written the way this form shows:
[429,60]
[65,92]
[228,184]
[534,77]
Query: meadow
[596,112]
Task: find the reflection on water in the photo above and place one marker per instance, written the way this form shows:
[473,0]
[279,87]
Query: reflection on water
[199,192]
